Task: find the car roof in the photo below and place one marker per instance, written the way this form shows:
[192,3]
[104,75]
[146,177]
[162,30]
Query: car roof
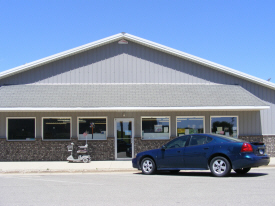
[223,137]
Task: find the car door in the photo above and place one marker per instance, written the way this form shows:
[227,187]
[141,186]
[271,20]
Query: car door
[171,154]
[197,152]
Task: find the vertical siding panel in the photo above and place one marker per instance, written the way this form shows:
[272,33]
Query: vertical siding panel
[94,66]
[134,64]
[108,70]
[99,65]
[139,65]
[125,64]
[86,68]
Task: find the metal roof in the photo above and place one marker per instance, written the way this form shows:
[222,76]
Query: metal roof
[141,41]
[135,97]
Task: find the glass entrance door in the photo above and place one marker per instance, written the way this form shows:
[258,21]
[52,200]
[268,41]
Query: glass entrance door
[124,138]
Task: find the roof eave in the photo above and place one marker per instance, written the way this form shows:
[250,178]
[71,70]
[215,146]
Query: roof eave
[137,109]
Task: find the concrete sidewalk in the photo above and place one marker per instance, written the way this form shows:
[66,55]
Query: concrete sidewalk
[66,167]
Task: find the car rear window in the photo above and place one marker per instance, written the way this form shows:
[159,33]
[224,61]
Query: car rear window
[230,139]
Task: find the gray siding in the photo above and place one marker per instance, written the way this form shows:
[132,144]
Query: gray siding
[249,122]
[134,63]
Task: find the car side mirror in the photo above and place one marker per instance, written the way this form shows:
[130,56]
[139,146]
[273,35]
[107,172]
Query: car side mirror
[163,147]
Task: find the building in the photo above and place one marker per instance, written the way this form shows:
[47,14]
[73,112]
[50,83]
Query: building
[127,94]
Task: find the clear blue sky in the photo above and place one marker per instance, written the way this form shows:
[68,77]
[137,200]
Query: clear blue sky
[237,34]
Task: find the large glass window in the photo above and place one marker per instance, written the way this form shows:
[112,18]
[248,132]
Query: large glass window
[21,128]
[225,126]
[190,125]
[56,128]
[93,128]
[155,128]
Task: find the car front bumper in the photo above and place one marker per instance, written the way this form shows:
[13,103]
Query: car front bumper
[135,163]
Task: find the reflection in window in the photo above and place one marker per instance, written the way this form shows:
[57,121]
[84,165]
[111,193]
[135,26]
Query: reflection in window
[95,128]
[56,128]
[177,143]
[224,126]
[155,128]
[199,140]
[190,125]
[21,129]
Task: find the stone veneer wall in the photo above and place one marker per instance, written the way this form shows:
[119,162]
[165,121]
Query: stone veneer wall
[39,150]
[143,145]
[269,142]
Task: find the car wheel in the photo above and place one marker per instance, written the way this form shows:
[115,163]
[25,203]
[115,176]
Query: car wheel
[242,171]
[220,167]
[174,171]
[148,166]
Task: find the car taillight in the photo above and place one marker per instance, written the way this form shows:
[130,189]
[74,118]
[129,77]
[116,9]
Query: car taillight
[246,148]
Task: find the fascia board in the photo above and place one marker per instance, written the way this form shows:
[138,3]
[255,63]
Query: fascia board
[76,109]
[60,55]
[200,61]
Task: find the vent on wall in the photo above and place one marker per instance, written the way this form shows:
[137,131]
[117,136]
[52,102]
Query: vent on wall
[123,41]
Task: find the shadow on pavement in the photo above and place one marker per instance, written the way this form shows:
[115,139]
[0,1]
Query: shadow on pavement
[206,174]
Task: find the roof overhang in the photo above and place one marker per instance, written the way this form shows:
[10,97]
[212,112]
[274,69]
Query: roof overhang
[144,42]
[136,109]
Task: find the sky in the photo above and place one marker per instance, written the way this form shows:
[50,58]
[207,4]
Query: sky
[237,34]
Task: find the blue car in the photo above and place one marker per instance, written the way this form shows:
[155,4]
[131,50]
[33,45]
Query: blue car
[218,153]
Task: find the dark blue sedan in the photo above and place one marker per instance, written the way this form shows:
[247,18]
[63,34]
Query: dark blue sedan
[218,153]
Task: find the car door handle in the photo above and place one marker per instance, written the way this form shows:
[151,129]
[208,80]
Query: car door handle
[178,151]
[206,148]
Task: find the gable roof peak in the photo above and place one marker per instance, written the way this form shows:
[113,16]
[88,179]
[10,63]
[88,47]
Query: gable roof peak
[144,42]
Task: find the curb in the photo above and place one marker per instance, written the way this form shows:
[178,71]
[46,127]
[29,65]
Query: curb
[65,171]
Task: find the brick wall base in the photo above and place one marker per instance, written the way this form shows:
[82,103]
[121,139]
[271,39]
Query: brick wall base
[39,150]
[143,145]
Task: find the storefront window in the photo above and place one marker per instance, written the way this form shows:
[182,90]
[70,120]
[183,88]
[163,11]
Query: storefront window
[92,128]
[227,126]
[56,128]
[21,129]
[190,125]
[155,128]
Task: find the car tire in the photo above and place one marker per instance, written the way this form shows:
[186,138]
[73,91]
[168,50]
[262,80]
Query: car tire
[174,171]
[220,167]
[148,166]
[242,171]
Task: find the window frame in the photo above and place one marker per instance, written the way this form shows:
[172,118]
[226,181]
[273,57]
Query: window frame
[42,128]
[92,118]
[190,117]
[225,116]
[169,134]
[7,128]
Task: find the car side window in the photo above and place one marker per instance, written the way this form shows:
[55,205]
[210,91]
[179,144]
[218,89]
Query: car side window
[177,143]
[199,140]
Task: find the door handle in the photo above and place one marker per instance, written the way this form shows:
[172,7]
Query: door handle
[178,151]
[206,148]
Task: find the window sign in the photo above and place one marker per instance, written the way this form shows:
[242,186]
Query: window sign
[225,126]
[190,125]
[155,128]
[95,128]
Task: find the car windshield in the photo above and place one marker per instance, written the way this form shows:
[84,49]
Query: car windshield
[232,139]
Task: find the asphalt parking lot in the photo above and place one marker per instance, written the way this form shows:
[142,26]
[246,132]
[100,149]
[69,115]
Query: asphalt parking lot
[134,188]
